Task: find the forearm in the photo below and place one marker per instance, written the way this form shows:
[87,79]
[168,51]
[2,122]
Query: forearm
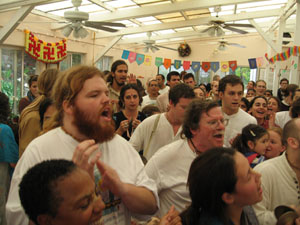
[139,199]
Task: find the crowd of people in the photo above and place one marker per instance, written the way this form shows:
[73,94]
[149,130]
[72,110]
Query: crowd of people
[98,148]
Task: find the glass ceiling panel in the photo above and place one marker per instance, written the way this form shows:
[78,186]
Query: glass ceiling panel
[222,13]
[261,3]
[147,1]
[91,8]
[269,7]
[129,7]
[120,3]
[169,31]
[145,19]
[54,6]
[135,35]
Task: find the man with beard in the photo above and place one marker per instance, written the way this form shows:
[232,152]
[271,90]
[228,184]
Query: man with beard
[203,128]
[119,70]
[83,130]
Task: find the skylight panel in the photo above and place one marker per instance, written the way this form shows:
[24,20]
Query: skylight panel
[61,12]
[120,3]
[262,3]
[222,13]
[152,22]
[183,29]
[269,7]
[54,6]
[145,19]
[169,31]
[91,8]
[264,20]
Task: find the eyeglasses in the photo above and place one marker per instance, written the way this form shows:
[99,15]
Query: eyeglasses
[215,123]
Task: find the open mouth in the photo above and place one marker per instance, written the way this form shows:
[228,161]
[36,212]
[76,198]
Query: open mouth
[218,136]
[106,113]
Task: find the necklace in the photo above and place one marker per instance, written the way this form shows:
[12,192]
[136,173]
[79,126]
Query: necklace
[195,149]
[64,129]
[293,166]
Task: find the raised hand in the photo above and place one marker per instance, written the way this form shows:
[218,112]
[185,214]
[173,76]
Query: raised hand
[82,154]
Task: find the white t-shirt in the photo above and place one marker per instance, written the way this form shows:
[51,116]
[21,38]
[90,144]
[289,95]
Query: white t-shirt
[148,101]
[56,144]
[280,187]
[169,167]
[163,135]
[164,90]
[281,118]
[235,125]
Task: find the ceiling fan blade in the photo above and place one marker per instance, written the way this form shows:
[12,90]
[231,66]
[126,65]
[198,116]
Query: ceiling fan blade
[100,27]
[235,30]
[205,30]
[107,23]
[59,27]
[173,49]
[236,45]
[146,49]
[239,25]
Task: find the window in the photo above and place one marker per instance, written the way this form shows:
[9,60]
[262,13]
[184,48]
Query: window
[104,63]
[11,75]
[72,59]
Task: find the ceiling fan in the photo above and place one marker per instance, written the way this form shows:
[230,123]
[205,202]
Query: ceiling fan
[223,45]
[217,28]
[76,21]
[150,45]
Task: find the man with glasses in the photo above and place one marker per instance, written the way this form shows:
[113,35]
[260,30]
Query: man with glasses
[283,85]
[231,89]
[203,128]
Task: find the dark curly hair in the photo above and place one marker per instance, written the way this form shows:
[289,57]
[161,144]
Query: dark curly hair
[124,89]
[37,191]
[4,108]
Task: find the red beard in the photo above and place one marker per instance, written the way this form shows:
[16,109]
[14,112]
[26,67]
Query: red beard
[89,125]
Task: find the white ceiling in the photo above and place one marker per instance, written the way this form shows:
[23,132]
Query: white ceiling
[168,20]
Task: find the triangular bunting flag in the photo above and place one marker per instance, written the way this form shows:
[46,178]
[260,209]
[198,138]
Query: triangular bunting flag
[195,66]
[205,66]
[233,65]
[147,61]
[177,64]
[215,66]
[186,65]
[225,66]
[140,58]
[167,63]
[158,61]
[125,54]
[132,57]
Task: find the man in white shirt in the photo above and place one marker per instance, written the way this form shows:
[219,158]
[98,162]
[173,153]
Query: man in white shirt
[231,89]
[281,118]
[280,176]
[173,78]
[83,131]
[203,128]
[152,90]
[163,88]
[162,129]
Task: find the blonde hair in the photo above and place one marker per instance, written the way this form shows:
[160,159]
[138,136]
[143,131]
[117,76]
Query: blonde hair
[67,87]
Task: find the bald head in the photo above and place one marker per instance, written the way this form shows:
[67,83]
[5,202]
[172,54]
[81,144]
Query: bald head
[291,129]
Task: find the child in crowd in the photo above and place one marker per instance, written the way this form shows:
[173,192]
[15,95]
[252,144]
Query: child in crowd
[276,146]
[253,143]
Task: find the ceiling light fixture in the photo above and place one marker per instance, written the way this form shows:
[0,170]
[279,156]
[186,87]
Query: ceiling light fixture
[67,31]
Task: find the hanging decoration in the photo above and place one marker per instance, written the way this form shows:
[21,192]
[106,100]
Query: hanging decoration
[184,49]
[215,66]
[125,54]
[140,58]
[205,66]
[284,55]
[132,57]
[167,63]
[177,64]
[147,60]
[252,63]
[44,51]
[260,61]
[224,66]
[186,65]
[195,66]
[233,65]
[158,61]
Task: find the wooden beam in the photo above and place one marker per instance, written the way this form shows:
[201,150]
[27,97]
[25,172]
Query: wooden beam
[275,47]
[107,48]
[193,22]
[14,22]
[7,4]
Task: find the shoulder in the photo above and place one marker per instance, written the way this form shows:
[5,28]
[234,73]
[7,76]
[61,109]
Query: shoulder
[5,128]
[269,166]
